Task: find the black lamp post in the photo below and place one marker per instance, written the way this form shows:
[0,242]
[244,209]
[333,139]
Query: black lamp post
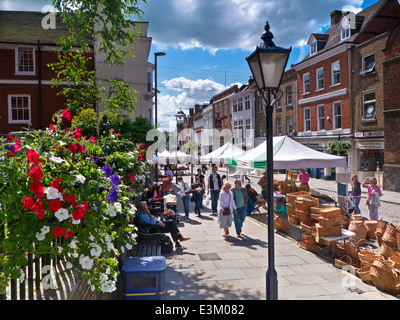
[267,64]
[180,120]
[156,54]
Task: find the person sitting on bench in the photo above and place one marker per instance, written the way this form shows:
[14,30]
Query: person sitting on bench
[168,226]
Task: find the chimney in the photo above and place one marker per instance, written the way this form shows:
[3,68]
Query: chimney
[336,15]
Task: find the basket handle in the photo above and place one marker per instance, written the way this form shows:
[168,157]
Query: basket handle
[346,256]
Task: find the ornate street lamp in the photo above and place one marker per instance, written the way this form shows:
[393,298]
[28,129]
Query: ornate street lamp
[267,64]
[180,120]
[156,54]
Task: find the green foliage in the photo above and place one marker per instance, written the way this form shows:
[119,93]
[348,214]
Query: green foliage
[339,147]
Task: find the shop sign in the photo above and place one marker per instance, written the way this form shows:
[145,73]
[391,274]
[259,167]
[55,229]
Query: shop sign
[362,145]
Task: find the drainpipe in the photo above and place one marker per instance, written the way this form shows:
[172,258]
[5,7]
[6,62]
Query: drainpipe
[351,110]
[39,84]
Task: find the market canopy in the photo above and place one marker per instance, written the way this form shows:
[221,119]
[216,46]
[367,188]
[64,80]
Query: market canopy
[171,156]
[288,154]
[228,150]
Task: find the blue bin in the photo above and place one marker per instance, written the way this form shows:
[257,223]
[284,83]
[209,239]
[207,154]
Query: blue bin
[143,278]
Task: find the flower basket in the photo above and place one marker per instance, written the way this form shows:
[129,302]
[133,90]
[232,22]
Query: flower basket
[382,276]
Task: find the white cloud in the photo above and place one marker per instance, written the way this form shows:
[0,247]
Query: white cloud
[232,24]
[188,94]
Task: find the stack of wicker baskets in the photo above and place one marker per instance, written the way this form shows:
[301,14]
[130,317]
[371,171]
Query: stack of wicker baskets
[290,205]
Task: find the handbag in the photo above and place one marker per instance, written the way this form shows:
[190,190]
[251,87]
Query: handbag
[227,211]
[166,244]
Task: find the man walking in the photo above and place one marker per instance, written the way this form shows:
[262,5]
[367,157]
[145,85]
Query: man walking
[214,184]
[241,198]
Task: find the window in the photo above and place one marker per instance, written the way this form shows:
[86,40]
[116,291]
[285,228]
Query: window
[234,105]
[307,119]
[149,82]
[261,128]
[313,47]
[368,64]
[25,61]
[19,109]
[289,125]
[260,104]
[240,104]
[320,78]
[248,125]
[369,106]
[289,96]
[225,108]
[247,102]
[335,73]
[279,126]
[337,115]
[321,117]
[346,28]
[278,104]
[306,83]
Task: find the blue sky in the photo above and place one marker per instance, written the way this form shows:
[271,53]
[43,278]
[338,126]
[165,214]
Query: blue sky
[207,41]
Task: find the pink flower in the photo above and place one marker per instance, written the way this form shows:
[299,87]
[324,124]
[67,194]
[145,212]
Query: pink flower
[92,139]
[66,114]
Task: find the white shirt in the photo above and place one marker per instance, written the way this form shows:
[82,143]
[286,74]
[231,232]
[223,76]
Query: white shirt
[185,187]
[215,182]
[226,201]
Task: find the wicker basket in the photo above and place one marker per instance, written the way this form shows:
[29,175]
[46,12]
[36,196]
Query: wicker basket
[292,197]
[359,229]
[329,222]
[305,204]
[339,249]
[371,228]
[386,251]
[364,274]
[330,212]
[366,255]
[389,236]
[351,248]
[303,215]
[308,238]
[381,226]
[396,260]
[357,217]
[308,226]
[309,247]
[382,276]
[343,261]
[280,225]
[378,237]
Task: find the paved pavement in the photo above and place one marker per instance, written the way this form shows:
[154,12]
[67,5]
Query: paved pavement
[212,268]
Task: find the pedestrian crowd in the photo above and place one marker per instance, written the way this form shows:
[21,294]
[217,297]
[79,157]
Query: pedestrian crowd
[232,203]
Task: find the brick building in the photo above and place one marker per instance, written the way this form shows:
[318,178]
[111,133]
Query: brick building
[340,84]
[391,80]
[26,93]
[285,109]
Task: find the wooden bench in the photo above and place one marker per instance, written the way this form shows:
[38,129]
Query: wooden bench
[146,250]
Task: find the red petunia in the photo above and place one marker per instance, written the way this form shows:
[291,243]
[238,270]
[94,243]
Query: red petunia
[69,234]
[58,231]
[17,145]
[55,205]
[92,139]
[28,202]
[39,195]
[56,184]
[36,173]
[79,148]
[72,148]
[10,137]
[71,199]
[33,156]
[77,214]
[77,134]
[36,186]
[66,114]
[56,146]
[52,127]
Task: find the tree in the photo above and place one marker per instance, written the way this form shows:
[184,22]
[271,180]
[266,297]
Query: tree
[108,24]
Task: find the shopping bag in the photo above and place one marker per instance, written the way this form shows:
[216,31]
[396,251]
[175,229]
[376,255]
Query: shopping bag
[207,200]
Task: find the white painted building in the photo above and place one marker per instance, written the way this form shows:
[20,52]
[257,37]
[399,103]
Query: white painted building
[243,106]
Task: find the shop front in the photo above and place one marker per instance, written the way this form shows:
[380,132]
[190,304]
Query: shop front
[370,158]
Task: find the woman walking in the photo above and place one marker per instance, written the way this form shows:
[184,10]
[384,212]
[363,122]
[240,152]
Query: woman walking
[226,208]
[197,191]
[185,193]
[373,197]
[356,193]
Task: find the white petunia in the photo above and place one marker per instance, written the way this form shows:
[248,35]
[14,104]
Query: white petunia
[80,178]
[72,244]
[117,206]
[52,193]
[45,229]
[62,214]
[68,265]
[108,286]
[86,262]
[40,236]
[56,159]
[128,246]
[96,250]
[111,211]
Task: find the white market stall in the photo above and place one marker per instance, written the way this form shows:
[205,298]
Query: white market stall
[228,150]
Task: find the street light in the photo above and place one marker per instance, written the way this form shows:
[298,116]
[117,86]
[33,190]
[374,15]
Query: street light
[180,120]
[156,54]
[267,64]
